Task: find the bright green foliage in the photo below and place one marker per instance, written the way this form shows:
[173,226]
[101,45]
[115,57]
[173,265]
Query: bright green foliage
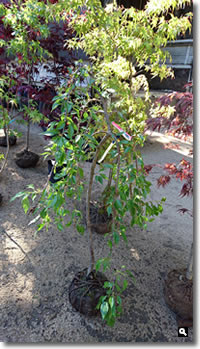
[25,20]
[120,42]
[110,305]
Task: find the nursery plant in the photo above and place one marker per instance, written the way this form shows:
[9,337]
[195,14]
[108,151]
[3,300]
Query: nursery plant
[118,43]
[32,41]
[173,113]
[27,158]
[26,21]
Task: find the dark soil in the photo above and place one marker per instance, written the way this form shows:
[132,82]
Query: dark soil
[12,141]
[178,293]
[26,159]
[85,291]
[101,222]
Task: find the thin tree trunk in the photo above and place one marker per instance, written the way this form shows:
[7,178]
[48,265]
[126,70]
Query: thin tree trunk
[5,131]
[28,125]
[189,272]
[28,135]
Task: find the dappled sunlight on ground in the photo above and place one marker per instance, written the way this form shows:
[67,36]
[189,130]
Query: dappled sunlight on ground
[177,145]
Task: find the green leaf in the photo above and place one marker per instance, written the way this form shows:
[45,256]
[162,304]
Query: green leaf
[70,131]
[43,213]
[111,301]
[78,137]
[116,237]
[111,321]
[31,186]
[106,262]
[124,236]
[98,264]
[125,284]
[55,105]
[109,210]
[85,115]
[80,229]
[104,309]
[60,226]
[151,219]
[40,226]
[34,220]
[130,274]
[60,125]
[119,300]
[99,179]
[118,288]
[101,300]
[25,204]
[18,195]
[107,284]
[107,166]
[110,244]
[118,204]
[68,224]
[81,172]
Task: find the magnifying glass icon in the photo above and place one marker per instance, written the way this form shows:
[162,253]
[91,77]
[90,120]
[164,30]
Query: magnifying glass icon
[182,331]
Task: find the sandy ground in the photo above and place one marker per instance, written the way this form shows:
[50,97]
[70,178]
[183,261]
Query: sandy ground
[34,304]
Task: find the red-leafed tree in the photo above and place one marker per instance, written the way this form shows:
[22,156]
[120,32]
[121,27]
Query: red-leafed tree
[174,116]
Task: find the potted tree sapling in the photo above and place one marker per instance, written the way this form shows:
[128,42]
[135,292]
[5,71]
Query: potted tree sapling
[26,28]
[90,291]
[27,158]
[116,41]
[105,68]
